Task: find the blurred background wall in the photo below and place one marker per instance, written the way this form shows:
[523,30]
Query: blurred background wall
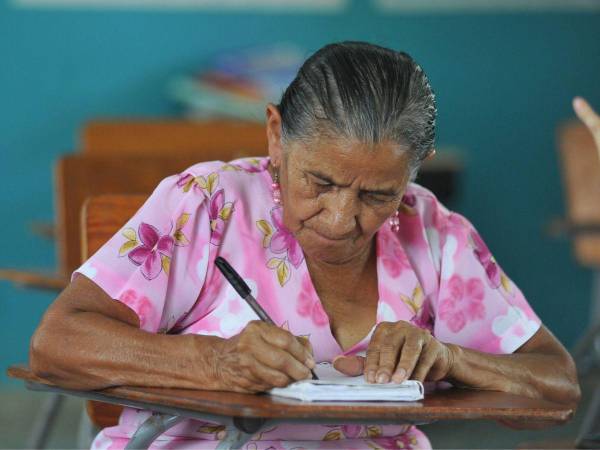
[504,80]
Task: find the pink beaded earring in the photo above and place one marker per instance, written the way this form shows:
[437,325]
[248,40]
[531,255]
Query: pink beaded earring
[276,188]
[394,222]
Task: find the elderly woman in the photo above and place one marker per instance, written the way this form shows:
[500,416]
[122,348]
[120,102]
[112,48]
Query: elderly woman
[339,247]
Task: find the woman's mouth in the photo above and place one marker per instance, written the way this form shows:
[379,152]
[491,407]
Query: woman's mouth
[331,239]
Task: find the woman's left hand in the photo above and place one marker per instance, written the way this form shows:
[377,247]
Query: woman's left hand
[399,351]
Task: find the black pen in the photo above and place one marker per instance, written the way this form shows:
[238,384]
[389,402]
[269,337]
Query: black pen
[242,288]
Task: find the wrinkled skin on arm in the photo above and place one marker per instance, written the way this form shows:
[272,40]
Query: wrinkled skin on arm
[87,340]
[541,368]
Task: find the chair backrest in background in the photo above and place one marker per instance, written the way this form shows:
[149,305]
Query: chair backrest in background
[101,218]
[78,177]
[207,140]
[581,175]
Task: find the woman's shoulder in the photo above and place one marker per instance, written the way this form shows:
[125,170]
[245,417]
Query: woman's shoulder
[210,176]
[418,200]
[241,166]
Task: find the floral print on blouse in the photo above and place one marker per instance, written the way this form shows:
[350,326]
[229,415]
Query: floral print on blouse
[435,272]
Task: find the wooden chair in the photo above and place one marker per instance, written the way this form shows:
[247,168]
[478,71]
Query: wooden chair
[170,144]
[580,166]
[78,177]
[205,140]
[581,175]
[101,218]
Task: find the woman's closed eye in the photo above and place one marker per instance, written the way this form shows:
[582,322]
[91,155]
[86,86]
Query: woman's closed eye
[373,198]
[320,182]
[376,198]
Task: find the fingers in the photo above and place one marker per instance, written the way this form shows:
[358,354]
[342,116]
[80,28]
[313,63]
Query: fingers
[587,115]
[394,344]
[250,383]
[399,351]
[276,359]
[269,376]
[306,344]
[426,362]
[411,352]
[286,341]
[373,351]
[351,366]
[383,351]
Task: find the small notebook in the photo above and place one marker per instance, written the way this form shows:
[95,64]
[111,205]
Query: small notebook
[334,386]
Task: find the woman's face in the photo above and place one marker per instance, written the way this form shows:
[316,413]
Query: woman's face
[337,193]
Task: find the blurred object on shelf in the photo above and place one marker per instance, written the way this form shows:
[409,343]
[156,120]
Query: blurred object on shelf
[238,84]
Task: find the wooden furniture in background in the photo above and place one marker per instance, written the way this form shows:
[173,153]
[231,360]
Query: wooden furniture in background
[204,140]
[581,175]
[580,166]
[79,177]
[171,145]
[101,218]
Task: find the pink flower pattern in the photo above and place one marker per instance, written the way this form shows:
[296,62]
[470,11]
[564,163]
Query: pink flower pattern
[141,304]
[392,256]
[250,165]
[217,224]
[148,255]
[486,259]
[309,305]
[219,211]
[353,431]
[283,241]
[424,317]
[409,200]
[463,304]
[184,180]
[403,441]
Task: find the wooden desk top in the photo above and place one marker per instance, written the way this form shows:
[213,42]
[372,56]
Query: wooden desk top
[445,404]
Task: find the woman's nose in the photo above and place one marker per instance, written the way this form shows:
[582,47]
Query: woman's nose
[343,214]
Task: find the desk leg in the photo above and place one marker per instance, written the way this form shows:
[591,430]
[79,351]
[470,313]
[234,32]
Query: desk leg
[44,421]
[153,427]
[590,429]
[240,431]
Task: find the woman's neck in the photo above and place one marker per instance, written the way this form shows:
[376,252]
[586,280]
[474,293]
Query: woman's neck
[347,278]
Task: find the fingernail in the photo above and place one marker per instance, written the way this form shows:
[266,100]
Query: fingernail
[399,376]
[577,102]
[382,378]
[371,376]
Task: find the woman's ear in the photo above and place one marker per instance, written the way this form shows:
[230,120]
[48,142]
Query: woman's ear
[430,155]
[274,134]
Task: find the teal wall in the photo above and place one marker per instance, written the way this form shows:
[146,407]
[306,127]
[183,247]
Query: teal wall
[503,82]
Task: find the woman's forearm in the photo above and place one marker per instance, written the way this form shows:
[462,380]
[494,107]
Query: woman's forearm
[538,375]
[88,350]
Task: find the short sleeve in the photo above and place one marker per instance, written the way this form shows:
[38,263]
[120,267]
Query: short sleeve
[478,306]
[156,264]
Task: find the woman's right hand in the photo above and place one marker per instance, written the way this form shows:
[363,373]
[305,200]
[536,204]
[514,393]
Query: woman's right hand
[260,357]
[589,117]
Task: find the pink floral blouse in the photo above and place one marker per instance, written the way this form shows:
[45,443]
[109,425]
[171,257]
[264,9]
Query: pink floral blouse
[436,273]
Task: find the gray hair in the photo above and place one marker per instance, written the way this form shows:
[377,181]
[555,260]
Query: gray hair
[364,92]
